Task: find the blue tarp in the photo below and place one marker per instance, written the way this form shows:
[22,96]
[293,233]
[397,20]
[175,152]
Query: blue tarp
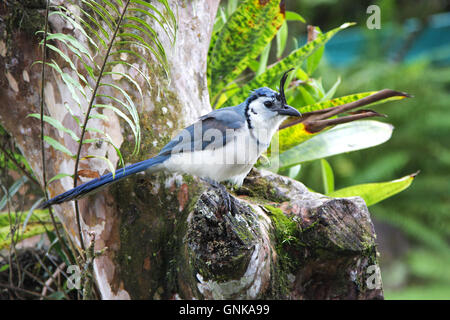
[357,43]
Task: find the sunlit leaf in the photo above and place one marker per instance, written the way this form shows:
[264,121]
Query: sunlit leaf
[37,224]
[327,176]
[58,146]
[375,192]
[344,100]
[281,39]
[294,16]
[312,62]
[339,139]
[272,75]
[59,176]
[76,25]
[330,93]
[55,123]
[120,114]
[245,35]
[262,65]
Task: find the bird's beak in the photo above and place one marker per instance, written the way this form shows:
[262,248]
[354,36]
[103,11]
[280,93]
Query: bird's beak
[288,111]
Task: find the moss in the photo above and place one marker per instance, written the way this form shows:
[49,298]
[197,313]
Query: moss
[261,189]
[24,16]
[285,228]
[150,230]
[220,246]
[286,232]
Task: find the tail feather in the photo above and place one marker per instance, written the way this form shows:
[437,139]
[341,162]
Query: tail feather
[105,180]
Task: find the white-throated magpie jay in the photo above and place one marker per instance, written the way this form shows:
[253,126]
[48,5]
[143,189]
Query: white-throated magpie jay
[222,145]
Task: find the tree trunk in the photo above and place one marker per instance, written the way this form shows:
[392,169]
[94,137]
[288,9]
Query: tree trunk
[166,234]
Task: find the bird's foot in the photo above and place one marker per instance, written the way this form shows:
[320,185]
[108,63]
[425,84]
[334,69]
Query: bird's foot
[229,204]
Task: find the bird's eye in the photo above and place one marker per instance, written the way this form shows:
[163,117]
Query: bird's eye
[268,104]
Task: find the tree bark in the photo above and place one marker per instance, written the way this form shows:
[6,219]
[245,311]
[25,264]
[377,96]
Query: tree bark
[166,234]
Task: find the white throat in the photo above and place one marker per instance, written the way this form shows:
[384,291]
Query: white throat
[263,123]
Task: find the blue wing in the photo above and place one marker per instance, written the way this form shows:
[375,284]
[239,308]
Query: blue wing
[223,121]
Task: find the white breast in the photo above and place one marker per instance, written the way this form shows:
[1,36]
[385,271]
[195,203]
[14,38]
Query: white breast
[231,162]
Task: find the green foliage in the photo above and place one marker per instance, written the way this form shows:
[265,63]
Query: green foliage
[342,138]
[374,192]
[233,50]
[12,191]
[420,144]
[272,75]
[111,29]
[327,177]
[244,36]
[38,223]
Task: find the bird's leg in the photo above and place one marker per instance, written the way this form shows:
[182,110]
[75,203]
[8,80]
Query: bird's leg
[227,199]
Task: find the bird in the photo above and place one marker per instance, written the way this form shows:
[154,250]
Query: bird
[221,146]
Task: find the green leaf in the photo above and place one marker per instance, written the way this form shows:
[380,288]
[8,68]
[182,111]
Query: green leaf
[70,83]
[292,136]
[163,21]
[307,97]
[58,146]
[161,55]
[327,176]
[96,26]
[75,24]
[60,176]
[4,267]
[131,109]
[12,191]
[313,60]
[128,77]
[375,192]
[36,225]
[169,31]
[102,13]
[231,6]
[108,162]
[30,212]
[294,16]
[245,35]
[330,93]
[133,67]
[98,116]
[77,120]
[344,100]
[73,44]
[281,39]
[272,76]
[294,171]
[55,123]
[339,139]
[263,60]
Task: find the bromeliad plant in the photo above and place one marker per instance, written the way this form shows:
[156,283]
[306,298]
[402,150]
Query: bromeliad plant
[238,63]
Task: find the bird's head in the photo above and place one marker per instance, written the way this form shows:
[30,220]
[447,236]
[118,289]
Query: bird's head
[265,105]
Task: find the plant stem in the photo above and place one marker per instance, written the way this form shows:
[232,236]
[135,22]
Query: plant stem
[86,119]
[44,172]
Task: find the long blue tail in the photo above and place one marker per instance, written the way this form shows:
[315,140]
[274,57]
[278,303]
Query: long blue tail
[107,179]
